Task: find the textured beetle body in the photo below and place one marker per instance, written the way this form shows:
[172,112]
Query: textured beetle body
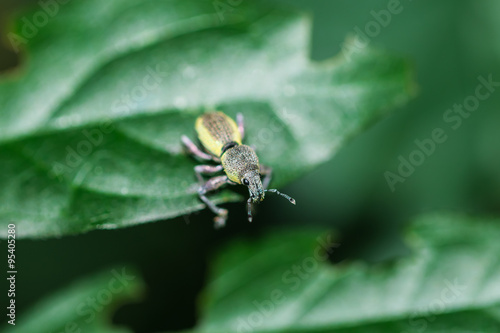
[241,163]
[222,139]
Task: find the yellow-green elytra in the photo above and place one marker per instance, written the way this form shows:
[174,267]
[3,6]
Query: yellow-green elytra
[222,137]
[215,129]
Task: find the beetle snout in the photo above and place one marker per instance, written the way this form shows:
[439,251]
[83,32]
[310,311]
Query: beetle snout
[257,193]
[259,196]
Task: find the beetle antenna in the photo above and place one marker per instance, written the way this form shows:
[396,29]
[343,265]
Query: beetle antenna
[289,198]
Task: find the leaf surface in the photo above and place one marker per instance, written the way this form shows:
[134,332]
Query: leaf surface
[282,283]
[84,306]
[90,129]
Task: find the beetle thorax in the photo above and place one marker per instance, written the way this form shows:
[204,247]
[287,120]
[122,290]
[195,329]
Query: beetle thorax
[240,161]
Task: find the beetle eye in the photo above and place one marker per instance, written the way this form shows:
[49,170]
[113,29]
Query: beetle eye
[246,182]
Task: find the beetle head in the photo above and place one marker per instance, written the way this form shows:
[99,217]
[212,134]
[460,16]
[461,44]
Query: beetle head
[251,179]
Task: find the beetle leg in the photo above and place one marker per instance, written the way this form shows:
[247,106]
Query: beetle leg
[241,127]
[267,172]
[207,170]
[193,149]
[249,209]
[211,185]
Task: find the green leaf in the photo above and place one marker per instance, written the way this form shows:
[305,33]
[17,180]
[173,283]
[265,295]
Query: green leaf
[90,132]
[85,306]
[282,283]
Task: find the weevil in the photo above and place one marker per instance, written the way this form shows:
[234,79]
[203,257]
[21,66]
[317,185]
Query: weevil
[221,138]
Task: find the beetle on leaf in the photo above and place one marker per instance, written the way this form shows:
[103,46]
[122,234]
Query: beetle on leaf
[222,139]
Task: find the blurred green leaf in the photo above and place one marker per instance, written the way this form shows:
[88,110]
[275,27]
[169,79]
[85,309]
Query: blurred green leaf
[89,133]
[283,283]
[85,306]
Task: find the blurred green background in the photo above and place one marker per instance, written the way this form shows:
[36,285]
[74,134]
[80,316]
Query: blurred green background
[450,42]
